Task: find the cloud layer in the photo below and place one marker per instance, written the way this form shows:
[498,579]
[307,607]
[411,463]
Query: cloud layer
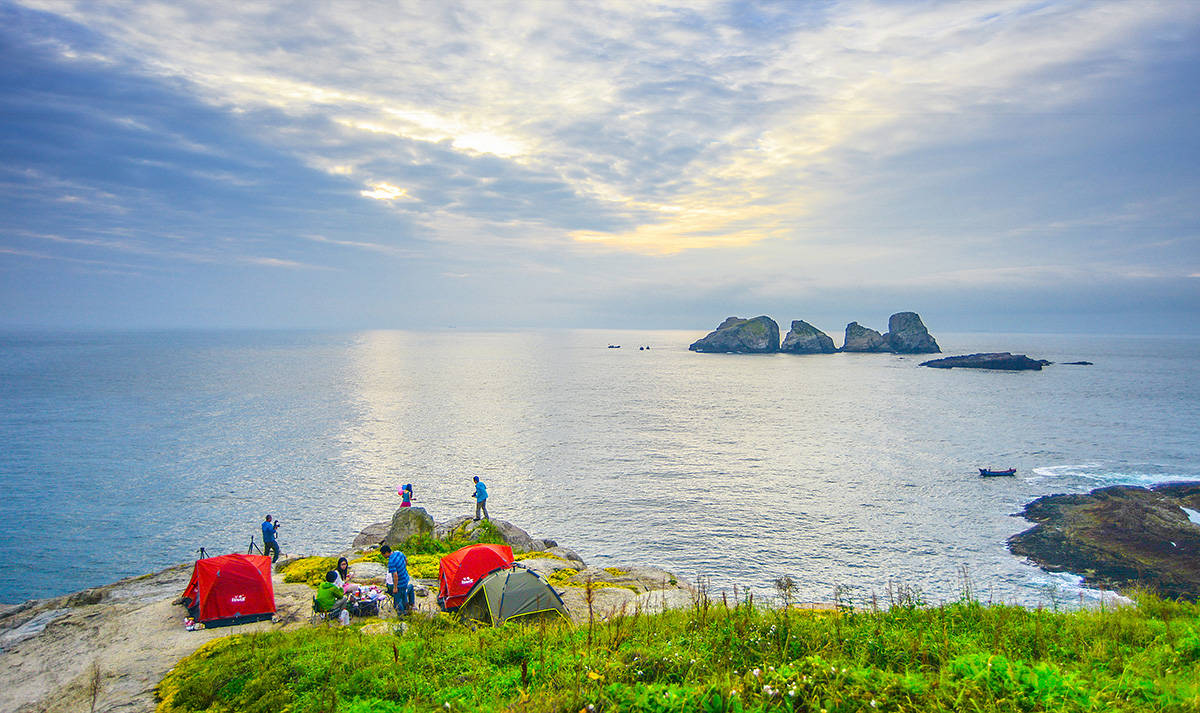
[569,160]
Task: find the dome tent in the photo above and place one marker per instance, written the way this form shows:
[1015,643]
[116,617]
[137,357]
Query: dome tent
[512,593]
[231,589]
[459,571]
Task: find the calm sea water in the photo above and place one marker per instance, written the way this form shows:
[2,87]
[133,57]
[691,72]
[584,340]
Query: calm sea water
[122,453]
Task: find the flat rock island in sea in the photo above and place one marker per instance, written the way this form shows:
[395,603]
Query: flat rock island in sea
[994,360]
[1119,537]
[806,339]
[735,335]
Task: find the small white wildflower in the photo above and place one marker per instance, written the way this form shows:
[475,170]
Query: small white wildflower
[873,703]
[757,673]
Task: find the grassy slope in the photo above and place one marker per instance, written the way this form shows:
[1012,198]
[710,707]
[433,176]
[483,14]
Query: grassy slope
[713,657]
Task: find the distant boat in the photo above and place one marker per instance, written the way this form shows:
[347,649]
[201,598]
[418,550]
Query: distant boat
[988,472]
[614,346]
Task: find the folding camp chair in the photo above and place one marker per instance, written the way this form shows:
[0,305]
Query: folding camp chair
[319,614]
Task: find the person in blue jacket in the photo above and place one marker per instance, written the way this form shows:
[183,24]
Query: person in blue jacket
[480,499]
[398,583]
[269,541]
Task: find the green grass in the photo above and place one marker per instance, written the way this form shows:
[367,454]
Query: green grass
[718,658]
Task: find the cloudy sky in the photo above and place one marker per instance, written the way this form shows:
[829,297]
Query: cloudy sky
[991,164]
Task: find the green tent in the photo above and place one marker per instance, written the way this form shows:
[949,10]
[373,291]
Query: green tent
[512,593]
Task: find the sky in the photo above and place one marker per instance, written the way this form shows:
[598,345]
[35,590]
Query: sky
[995,165]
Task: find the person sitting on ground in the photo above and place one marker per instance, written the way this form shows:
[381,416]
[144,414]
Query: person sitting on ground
[343,576]
[397,579]
[330,597]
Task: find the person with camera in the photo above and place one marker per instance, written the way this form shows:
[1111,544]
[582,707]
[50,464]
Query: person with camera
[269,541]
[481,497]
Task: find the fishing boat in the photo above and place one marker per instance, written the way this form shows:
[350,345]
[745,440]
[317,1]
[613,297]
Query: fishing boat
[988,472]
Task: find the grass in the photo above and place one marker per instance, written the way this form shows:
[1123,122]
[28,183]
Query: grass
[720,657]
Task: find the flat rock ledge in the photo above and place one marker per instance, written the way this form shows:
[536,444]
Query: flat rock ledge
[1121,537]
[1003,361]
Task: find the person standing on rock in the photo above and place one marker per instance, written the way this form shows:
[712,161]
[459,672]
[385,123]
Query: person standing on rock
[269,542]
[480,499]
[397,579]
[406,495]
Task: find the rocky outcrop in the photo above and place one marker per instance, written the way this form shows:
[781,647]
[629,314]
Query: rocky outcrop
[406,523]
[735,335]
[807,339]
[994,360]
[371,535]
[862,339]
[513,536]
[907,335]
[1118,537]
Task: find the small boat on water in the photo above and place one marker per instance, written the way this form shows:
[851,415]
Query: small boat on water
[988,472]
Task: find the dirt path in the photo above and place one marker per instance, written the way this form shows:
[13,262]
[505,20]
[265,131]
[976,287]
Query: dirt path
[118,640]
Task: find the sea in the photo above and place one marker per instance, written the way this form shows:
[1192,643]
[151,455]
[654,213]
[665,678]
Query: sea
[855,475]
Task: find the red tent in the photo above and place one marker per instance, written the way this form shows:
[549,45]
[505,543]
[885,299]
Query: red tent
[231,589]
[461,569]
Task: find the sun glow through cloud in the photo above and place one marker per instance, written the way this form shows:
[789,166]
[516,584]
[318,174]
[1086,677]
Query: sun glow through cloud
[385,192]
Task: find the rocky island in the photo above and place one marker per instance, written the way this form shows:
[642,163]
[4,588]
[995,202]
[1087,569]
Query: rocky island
[906,334]
[735,335]
[1120,537]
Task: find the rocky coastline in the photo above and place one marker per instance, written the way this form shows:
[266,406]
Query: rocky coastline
[107,648]
[1120,537]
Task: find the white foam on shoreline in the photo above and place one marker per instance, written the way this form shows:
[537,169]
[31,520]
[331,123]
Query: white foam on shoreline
[1099,473]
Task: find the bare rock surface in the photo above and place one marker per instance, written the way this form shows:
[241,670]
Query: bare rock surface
[907,334]
[133,632]
[407,522]
[863,339]
[371,535]
[803,338]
